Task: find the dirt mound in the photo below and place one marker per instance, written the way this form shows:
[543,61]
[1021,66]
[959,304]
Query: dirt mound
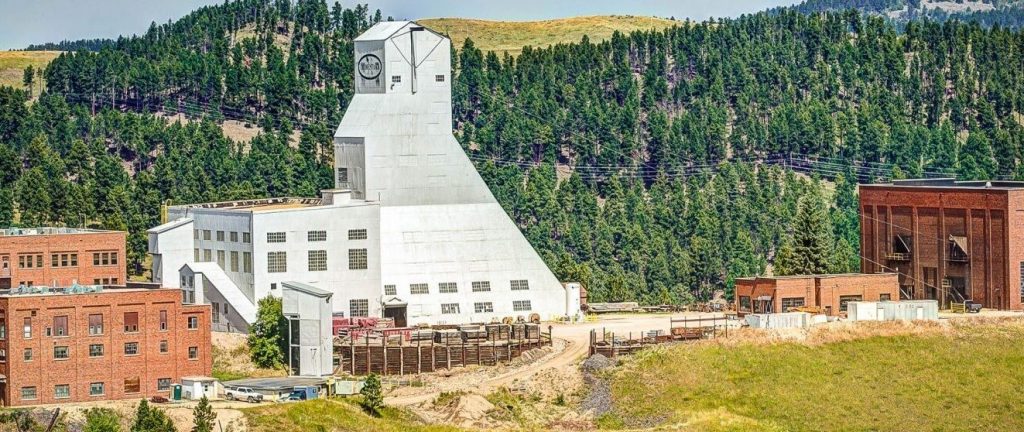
[596,363]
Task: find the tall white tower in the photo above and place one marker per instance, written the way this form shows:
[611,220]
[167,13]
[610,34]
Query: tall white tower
[440,225]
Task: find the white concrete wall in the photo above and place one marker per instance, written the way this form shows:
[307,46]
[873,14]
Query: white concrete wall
[171,249]
[343,283]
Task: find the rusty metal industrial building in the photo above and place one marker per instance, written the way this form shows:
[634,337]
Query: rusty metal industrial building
[949,241]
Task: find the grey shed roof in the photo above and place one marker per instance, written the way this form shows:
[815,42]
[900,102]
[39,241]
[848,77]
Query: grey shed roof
[308,289]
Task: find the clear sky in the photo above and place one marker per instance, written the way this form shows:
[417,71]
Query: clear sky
[24,22]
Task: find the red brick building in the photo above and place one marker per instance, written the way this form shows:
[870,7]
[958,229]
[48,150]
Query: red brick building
[948,240]
[77,345]
[61,257]
[828,292]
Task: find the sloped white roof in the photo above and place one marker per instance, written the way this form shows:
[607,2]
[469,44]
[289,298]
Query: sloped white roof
[382,30]
[169,226]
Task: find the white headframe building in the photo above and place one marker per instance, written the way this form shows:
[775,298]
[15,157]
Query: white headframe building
[410,231]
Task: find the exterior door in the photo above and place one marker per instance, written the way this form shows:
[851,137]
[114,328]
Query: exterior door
[396,313]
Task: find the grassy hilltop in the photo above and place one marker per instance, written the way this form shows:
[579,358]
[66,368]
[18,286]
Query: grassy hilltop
[512,36]
[13,64]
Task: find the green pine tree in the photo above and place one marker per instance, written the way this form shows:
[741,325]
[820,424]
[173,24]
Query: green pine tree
[150,419]
[373,396]
[266,336]
[203,416]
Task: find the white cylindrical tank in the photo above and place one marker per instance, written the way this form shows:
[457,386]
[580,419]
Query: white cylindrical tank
[572,301]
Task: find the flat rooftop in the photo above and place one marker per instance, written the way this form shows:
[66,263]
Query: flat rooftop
[39,290]
[819,276]
[10,232]
[952,183]
[258,205]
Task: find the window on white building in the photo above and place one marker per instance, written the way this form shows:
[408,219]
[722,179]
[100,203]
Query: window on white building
[447,287]
[357,234]
[390,290]
[481,286]
[521,306]
[317,260]
[357,259]
[276,237]
[316,236]
[359,307]
[419,288]
[277,262]
[520,285]
[449,308]
[483,307]
[247,262]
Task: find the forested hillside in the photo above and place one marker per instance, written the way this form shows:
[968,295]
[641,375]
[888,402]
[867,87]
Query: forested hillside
[646,166]
[1005,13]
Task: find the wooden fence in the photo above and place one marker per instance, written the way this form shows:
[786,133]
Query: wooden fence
[611,344]
[382,356]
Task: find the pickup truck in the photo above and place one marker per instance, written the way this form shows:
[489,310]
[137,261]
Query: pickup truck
[243,393]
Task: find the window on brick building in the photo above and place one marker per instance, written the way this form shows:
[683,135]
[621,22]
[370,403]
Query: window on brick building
[791,302]
[163,346]
[95,324]
[28,393]
[96,389]
[131,348]
[28,354]
[884,297]
[3,355]
[28,328]
[131,322]
[163,320]
[132,385]
[193,353]
[61,353]
[61,391]
[193,323]
[60,325]
[163,384]
[843,300]
[96,350]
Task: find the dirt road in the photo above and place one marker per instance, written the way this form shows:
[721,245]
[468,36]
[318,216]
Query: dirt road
[571,341]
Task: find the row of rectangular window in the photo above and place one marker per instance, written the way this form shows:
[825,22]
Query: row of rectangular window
[58,260]
[486,307]
[63,391]
[453,287]
[62,328]
[277,262]
[63,352]
[315,236]
[233,235]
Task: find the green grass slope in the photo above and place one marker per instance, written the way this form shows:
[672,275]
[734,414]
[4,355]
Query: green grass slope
[13,64]
[512,36]
[332,415]
[964,378]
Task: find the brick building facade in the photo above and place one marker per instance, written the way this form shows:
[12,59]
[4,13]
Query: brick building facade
[949,241]
[61,257]
[828,292]
[82,345]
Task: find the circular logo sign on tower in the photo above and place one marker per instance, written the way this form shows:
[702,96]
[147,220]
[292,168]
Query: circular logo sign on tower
[369,66]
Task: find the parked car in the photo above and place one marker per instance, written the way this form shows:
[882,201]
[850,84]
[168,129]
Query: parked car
[243,393]
[302,393]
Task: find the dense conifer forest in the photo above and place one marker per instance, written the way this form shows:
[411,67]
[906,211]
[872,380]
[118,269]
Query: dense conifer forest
[651,166]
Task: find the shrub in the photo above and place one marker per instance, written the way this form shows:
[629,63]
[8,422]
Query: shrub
[373,397]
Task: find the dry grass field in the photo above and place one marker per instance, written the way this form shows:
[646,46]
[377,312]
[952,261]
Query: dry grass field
[13,64]
[964,375]
[512,36]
